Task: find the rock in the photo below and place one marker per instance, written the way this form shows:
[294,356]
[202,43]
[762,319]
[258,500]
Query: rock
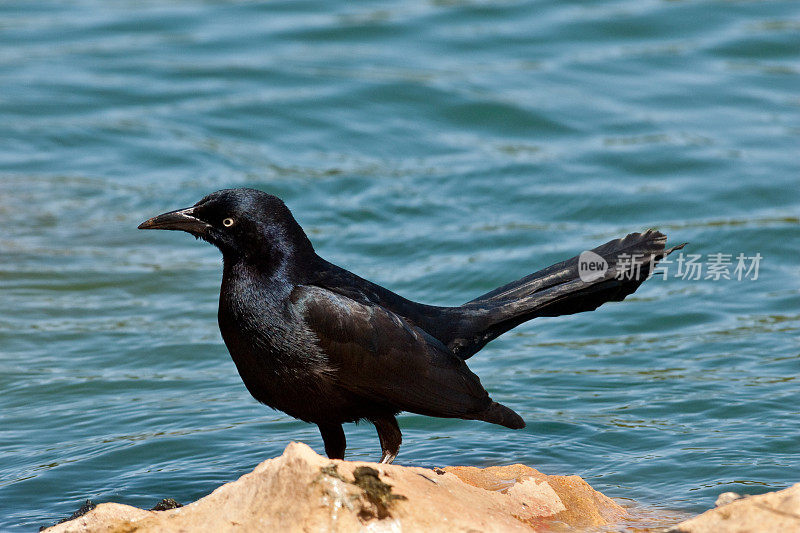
[571,500]
[165,505]
[726,497]
[104,517]
[767,513]
[87,506]
[302,491]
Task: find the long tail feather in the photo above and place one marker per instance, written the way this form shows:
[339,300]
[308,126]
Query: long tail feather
[561,289]
[499,414]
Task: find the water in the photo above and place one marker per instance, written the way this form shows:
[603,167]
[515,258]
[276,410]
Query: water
[439,148]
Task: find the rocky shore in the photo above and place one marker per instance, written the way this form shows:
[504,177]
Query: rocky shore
[302,491]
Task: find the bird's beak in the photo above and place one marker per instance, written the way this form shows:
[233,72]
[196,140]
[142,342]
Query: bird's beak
[181,219]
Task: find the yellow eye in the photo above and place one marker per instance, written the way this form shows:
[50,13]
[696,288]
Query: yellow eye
[228,222]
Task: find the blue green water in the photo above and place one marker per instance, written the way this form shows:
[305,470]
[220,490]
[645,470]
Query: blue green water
[440,148]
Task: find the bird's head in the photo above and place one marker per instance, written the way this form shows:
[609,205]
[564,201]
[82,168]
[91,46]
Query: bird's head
[243,223]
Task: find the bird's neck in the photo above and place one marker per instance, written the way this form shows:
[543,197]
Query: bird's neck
[250,304]
[270,266]
[242,275]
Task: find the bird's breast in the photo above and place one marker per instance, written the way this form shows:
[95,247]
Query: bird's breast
[278,359]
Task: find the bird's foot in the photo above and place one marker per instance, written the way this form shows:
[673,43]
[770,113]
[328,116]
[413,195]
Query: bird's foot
[387,457]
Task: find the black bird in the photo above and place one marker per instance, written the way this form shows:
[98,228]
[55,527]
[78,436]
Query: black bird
[326,346]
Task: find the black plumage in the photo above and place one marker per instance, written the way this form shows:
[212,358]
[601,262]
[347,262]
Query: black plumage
[328,347]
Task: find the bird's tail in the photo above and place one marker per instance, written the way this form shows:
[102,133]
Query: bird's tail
[500,414]
[605,274]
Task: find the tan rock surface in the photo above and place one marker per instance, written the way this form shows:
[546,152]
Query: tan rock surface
[777,511]
[581,505]
[302,491]
[104,517]
[773,512]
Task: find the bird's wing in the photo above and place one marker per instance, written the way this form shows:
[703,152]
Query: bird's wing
[381,356]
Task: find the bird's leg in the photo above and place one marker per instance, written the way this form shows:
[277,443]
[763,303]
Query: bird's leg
[333,437]
[390,437]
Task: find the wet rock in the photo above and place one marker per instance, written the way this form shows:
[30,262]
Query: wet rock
[165,505]
[302,491]
[87,506]
[771,512]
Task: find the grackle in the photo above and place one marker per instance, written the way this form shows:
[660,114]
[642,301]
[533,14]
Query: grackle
[323,345]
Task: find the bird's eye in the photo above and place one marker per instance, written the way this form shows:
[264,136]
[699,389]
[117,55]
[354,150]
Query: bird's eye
[228,222]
